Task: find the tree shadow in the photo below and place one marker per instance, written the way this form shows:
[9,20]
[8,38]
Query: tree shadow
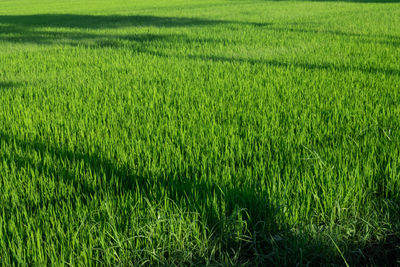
[120,179]
[8,85]
[105,21]
[306,28]
[37,28]
[303,65]
[271,242]
[33,29]
[143,43]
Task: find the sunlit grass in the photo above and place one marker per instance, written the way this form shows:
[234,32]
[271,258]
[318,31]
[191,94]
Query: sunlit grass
[199,132]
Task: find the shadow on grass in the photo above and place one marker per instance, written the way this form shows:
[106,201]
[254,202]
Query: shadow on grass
[33,29]
[8,85]
[305,65]
[143,43]
[121,179]
[105,21]
[362,38]
[380,253]
[268,242]
[191,193]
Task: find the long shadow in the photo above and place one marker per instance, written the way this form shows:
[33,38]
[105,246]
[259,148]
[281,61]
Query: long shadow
[21,35]
[281,64]
[171,39]
[143,43]
[371,38]
[121,179]
[274,244]
[137,42]
[105,21]
[33,29]
[306,28]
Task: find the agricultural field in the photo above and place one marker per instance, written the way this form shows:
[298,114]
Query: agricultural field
[199,132]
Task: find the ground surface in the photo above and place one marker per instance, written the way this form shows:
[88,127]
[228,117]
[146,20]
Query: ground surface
[199,132]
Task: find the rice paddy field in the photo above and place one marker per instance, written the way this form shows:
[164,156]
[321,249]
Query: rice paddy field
[208,132]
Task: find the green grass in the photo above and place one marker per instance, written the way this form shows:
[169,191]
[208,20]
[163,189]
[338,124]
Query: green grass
[199,132]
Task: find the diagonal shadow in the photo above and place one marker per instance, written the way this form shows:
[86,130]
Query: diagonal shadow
[281,64]
[27,29]
[143,43]
[137,42]
[273,244]
[390,40]
[121,179]
[105,21]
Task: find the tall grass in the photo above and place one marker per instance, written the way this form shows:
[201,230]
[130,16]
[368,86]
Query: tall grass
[199,132]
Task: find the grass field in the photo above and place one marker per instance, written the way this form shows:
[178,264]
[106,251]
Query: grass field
[202,132]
